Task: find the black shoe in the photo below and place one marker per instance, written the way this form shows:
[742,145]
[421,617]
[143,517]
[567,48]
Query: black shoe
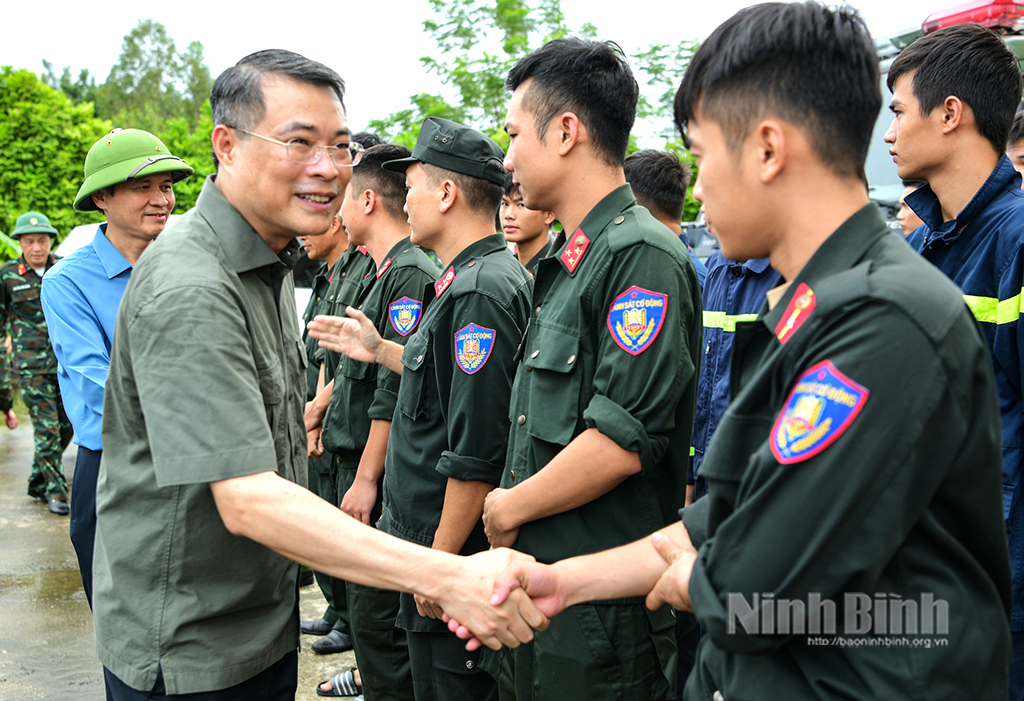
[331,643]
[306,578]
[59,507]
[317,627]
[39,494]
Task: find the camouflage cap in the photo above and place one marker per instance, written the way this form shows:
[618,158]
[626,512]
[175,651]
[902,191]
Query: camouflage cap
[452,146]
[33,223]
[124,154]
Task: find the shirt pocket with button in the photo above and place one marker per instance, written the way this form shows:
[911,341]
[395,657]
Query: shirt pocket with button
[410,392]
[549,360]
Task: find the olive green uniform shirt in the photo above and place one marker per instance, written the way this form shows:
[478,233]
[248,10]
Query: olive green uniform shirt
[206,383]
[451,417]
[352,268]
[575,374]
[23,318]
[392,298]
[860,455]
[613,344]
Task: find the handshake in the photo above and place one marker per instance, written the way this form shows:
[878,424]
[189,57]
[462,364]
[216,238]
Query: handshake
[500,597]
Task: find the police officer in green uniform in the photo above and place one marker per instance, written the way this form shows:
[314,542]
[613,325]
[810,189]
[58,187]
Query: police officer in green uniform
[36,365]
[358,419]
[851,544]
[449,432]
[603,404]
[343,285]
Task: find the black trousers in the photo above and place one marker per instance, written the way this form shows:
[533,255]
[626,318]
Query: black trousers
[82,527]
[277,682]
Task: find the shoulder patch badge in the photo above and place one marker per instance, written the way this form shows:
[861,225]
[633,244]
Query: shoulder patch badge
[821,406]
[800,307]
[441,285]
[574,250]
[404,314]
[473,346]
[635,318]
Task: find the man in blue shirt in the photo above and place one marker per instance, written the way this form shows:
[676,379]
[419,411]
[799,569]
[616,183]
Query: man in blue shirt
[129,176]
[955,93]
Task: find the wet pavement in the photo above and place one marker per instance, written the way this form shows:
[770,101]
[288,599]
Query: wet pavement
[46,636]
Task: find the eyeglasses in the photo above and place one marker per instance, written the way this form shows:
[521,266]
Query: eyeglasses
[302,151]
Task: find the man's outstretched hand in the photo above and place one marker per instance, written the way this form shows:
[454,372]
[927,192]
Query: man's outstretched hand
[356,336]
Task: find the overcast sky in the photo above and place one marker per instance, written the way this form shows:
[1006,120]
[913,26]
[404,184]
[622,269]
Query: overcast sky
[374,46]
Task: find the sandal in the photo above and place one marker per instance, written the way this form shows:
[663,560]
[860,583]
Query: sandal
[342,684]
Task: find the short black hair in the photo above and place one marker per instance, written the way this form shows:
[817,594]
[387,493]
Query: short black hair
[971,63]
[237,96]
[511,188]
[589,78]
[482,195]
[367,139]
[813,66]
[389,185]
[1016,130]
[659,181]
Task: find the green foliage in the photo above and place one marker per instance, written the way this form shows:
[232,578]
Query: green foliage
[661,66]
[193,145]
[44,138]
[82,90]
[477,45]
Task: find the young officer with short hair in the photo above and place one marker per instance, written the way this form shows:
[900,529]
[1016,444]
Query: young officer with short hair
[449,435]
[604,395]
[955,93]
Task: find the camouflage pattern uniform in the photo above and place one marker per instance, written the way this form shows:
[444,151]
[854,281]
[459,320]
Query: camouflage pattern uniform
[37,372]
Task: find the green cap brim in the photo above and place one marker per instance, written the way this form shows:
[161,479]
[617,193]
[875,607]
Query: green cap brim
[34,229]
[123,172]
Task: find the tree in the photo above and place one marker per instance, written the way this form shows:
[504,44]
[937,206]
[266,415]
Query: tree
[44,138]
[142,89]
[82,90]
[477,44]
[194,80]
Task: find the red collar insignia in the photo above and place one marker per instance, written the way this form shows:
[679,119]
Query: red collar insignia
[574,250]
[799,309]
[441,285]
[362,249]
[22,269]
[383,268]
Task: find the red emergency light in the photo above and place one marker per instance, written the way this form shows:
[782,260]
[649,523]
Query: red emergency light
[994,14]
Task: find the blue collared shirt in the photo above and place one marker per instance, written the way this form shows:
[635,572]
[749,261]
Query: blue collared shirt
[81,295]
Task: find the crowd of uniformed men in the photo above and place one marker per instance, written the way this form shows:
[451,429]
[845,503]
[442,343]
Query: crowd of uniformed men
[834,424]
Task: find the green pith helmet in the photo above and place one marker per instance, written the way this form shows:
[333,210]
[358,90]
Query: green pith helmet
[124,154]
[33,223]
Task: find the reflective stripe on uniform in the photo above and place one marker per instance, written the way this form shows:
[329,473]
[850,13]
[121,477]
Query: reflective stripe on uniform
[988,309]
[727,322]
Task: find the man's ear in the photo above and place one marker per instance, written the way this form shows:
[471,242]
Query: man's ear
[549,217]
[953,113]
[225,142]
[99,198]
[369,201]
[447,192]
[569,131]
[771,145]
